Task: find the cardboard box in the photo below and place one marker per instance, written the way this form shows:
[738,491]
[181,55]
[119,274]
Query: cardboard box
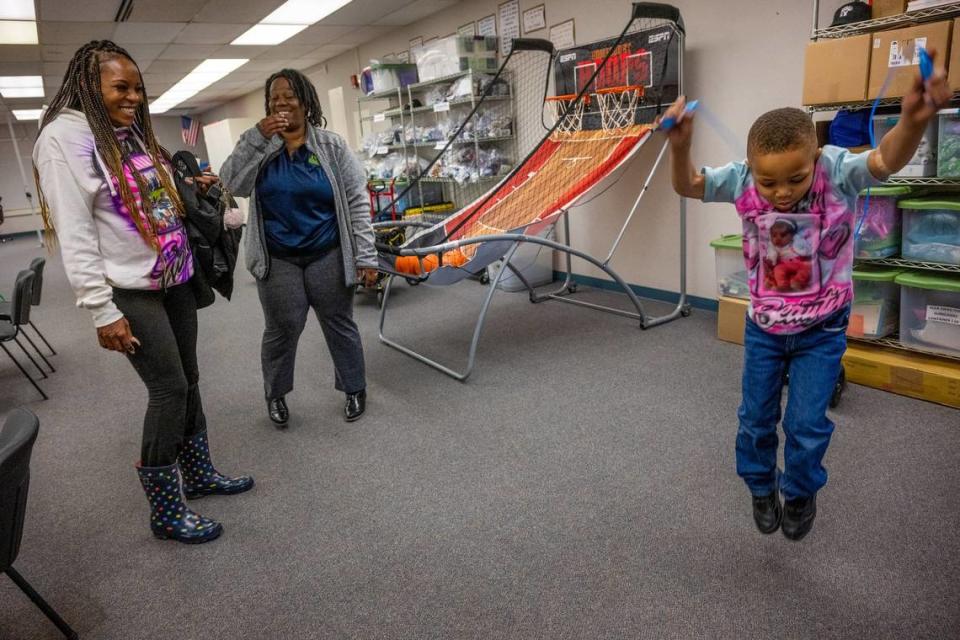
[903,372]
[732,319]
[953,73]
[897,50]
[884,8]
[836,70]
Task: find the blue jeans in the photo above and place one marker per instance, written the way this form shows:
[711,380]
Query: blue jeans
[813,360]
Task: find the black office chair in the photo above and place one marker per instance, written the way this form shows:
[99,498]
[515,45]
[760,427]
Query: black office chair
[19,316]
[36,265]
[16,444]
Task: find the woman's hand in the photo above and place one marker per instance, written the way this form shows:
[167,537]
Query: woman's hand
[117,336]
[367,277]
[205,181]
[271,125]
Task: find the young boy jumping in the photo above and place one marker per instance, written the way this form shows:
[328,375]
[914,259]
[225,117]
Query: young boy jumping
[795,324]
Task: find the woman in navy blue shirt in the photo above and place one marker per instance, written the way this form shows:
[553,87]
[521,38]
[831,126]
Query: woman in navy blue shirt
[309,239]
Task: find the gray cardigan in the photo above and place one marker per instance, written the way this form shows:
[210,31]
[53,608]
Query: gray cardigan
[242,168]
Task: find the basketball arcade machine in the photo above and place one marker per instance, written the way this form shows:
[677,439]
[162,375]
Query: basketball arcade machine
[610,93]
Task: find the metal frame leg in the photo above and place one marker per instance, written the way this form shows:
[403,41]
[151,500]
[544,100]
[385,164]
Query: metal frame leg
[38,600]
[42,337]
[23,371]
[39,353]
[30,357]
[471,359]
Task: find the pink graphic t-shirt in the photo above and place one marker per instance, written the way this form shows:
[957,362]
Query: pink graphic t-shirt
[799,262]
[174,263]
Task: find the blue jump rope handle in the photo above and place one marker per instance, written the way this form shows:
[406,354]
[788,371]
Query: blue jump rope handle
[926,65]
[668,123]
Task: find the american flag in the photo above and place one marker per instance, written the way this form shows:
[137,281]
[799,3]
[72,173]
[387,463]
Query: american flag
[189,130]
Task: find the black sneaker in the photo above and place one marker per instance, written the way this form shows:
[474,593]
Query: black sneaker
[767,512]
[798,515]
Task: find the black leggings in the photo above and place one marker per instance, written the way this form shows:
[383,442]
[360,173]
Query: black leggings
[165,323]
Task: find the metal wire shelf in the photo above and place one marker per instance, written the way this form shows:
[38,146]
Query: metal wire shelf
[912,264]
[930,181]
[866,26]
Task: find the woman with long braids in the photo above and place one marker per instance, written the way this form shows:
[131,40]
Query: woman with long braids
[106,191]
[309,239]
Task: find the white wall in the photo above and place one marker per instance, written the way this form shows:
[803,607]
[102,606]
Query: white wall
[167,130]
[743,57]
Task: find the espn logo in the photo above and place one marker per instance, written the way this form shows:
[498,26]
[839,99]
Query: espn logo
[658,37]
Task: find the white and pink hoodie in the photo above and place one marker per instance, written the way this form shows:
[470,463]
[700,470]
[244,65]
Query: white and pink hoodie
[100,244]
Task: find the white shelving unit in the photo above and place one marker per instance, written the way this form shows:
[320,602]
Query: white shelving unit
[399,112]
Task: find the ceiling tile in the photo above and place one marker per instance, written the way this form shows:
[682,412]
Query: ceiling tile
[236,11]
[415,11]
[98,10]
[237,51]
[75,33]
[147,32]
[320,34]
[183,67]
[21,53]
[286,52]
[56,53]
[264,67]
[25,68]
[360,12]
[210,33]
[54,68]
[363,35]
[166,11]
[144,54]
[188,51]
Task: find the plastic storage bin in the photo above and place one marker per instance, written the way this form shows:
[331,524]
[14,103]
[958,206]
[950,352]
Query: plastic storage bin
[387,77]
[948,144]
[930,312]
[453,54]
[731,272]
[924,161]
[931,230]
[878,234]
[876,303]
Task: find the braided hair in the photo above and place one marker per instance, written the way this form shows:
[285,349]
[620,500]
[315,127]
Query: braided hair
[81,91]
[304,90]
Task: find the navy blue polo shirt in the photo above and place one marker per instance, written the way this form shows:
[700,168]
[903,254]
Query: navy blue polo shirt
[298,206]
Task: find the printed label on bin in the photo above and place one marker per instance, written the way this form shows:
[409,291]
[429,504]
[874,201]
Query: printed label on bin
[382,151]
[379,117]
[903,55]
[441,106]
[946,315]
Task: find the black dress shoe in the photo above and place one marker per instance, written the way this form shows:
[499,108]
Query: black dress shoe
[278,412]
[798,515]
[356,405]
[767,512]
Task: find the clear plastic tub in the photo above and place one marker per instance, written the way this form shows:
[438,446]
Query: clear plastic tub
[731,271]
[931,230]
[876,302]
[948,144]
[924,161]
[930,312]
[878,234]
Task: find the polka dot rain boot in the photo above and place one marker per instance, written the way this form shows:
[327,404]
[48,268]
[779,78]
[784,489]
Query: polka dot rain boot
[170,519]
[199,477]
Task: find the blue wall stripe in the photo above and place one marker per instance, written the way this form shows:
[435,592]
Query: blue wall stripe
[707,304]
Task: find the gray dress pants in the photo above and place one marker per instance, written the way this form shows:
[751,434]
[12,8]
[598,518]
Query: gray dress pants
[291,288]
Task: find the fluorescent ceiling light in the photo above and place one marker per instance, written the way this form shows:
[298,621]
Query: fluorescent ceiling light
[17,10]
[269,33]
[18,32]
[21,86]
[303,11]
[27,114]
[205,74]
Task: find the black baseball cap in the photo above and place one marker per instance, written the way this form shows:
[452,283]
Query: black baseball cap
[851,12]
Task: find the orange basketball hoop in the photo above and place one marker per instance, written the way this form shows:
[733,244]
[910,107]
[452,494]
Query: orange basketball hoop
[568,111]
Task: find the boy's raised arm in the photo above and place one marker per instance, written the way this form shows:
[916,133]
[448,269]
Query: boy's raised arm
[687,181]
[918,106]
